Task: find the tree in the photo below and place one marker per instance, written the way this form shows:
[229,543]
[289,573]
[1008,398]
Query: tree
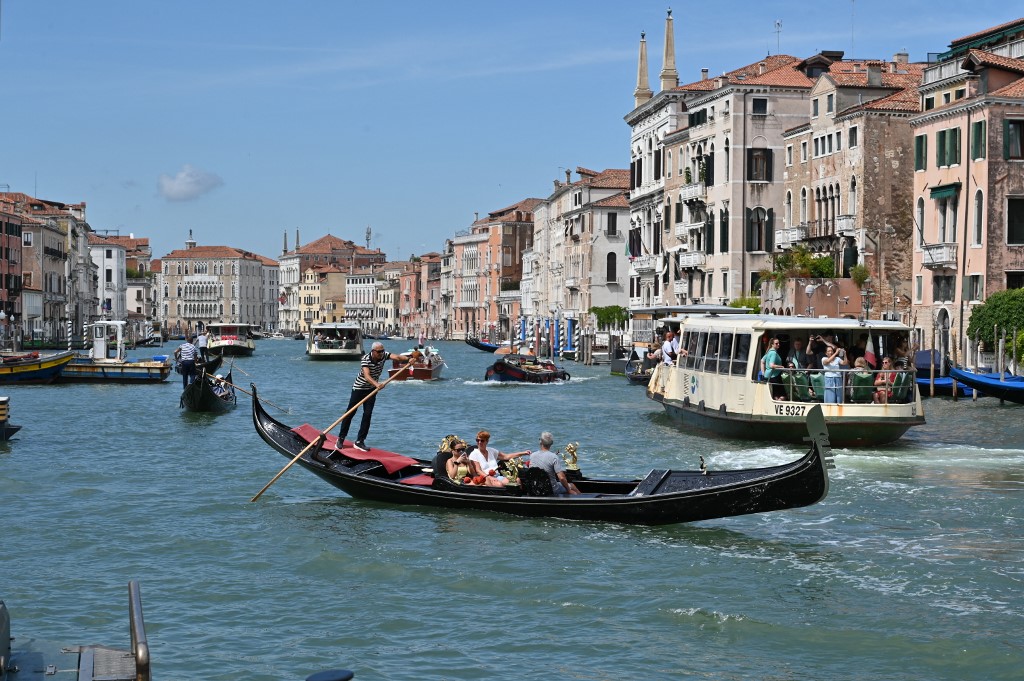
[752,302]
[609,316]
[799,262]
[1003,309]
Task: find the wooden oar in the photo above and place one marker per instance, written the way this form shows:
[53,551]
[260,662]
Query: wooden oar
[335,425]
[241,389]
[233,367]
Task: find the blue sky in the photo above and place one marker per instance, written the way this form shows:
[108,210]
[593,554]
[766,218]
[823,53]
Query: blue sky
[241,120]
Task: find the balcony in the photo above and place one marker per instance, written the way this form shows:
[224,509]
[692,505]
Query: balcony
[572,282]
[939,256]
[679,287]
[791,235]
[681,231]
[646,264]
[846,225]
[692,259]
[693,192]
[696,226]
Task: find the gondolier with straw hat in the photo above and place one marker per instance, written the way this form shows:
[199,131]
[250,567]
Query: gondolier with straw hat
[365,387]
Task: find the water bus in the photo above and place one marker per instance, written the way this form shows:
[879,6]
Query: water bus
[334,340]
[716,383]
[231,339]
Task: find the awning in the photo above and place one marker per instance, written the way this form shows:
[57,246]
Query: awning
[944,191]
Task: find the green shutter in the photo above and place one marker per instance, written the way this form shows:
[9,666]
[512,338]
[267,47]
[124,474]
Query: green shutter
[945,191]
[978,143]
[953,152]
[769,228]
[940,148]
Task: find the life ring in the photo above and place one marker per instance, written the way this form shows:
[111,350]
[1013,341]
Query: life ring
[565,376]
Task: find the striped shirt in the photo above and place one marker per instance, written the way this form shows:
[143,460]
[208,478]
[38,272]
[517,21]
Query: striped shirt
[376,369]
[187,352]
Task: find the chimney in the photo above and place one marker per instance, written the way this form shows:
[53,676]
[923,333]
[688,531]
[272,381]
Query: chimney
[720,82]
[901,58]
[762,68]
[568,176]
[874,75]
[703,74]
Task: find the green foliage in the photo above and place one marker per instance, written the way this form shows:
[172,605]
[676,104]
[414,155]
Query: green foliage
[610,316]
[753,302]
[859,274]
[799,262]
[1004,309]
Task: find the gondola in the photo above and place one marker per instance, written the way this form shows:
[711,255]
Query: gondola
[199,395]
[660,497]
[482,345]
[636,373]
[515,368]
[1010,388]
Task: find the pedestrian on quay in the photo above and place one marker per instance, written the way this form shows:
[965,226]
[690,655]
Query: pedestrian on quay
[365,387]
[185,354]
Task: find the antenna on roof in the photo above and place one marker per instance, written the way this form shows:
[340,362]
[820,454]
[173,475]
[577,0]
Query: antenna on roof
[778,36]
[369,233]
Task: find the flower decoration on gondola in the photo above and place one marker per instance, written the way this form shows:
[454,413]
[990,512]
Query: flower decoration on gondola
[570,457]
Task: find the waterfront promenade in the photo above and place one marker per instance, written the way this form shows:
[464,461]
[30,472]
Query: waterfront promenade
[909,570]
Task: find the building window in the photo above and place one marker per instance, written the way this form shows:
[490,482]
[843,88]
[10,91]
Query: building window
[828,106]
[853,138]
[839,140]
[611,275]
[960,93]
[26,238]
[789,154]
[919,227]
[759,106]
[918,288]
[974,288]
[1015,221]
[759,163]
[814,108]
[929,103]
[759,229]
[947,147]
[1013,140]
[979,206]
[803,151]
[1015,280]
[613,224]
[943,289]
[977,140]
[921,152]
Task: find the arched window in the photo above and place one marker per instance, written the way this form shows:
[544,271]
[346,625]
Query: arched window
[979,207]
[803,205]
[759,226]
[725,161]
[611,275]
[852,210]
[788,217]
[919,227]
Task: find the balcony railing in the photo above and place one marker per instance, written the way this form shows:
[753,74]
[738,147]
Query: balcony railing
[646,264]
[846,225]
[696,226]
[939,256]
[681,230]
[790,235]
[679,287]
[692,259]
[572,282]
[689,192]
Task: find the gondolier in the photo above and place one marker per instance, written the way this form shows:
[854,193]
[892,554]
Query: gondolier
[186,356]
[368,380]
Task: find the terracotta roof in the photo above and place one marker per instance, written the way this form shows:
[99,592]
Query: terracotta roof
[980,34]
[42,206]
[983,58]
[210,252]
[612,178]
[615,201]
[1015,89]
[325,244]
[745,74]
[155,264]
[905,100]
[97,239]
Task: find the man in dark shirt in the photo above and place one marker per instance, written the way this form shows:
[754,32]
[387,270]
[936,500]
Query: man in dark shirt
[364,388]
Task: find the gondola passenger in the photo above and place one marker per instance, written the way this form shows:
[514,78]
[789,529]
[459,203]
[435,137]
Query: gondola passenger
[465,471]
[489,457]
[552,464]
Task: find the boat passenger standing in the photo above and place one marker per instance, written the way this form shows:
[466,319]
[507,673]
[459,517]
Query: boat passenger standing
[202,341]
[771,369]
[797,357]
[551,463]
[670,348]
[832,363]
[186,356]
[365,385]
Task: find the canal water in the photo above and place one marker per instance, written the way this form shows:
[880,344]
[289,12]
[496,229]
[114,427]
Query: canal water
[910,569]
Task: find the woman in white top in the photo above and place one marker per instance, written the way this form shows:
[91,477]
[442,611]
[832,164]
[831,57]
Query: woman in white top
[489,457]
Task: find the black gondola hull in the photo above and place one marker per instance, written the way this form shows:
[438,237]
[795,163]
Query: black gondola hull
[199,396]
[674,496]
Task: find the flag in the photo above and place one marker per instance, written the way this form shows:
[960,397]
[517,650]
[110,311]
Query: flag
[869,352]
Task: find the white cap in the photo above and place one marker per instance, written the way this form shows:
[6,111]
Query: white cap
[220,376]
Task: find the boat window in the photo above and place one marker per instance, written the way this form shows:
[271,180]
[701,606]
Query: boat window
[711,353]
[724,353]
[698,357]
[691,350]
[740,350]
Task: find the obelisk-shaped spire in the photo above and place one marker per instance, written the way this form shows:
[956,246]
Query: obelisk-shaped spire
[669,75]
[643,93]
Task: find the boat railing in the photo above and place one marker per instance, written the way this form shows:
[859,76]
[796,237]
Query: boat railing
[140,646]
[856,386]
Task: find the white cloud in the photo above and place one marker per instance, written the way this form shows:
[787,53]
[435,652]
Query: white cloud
[190,183]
